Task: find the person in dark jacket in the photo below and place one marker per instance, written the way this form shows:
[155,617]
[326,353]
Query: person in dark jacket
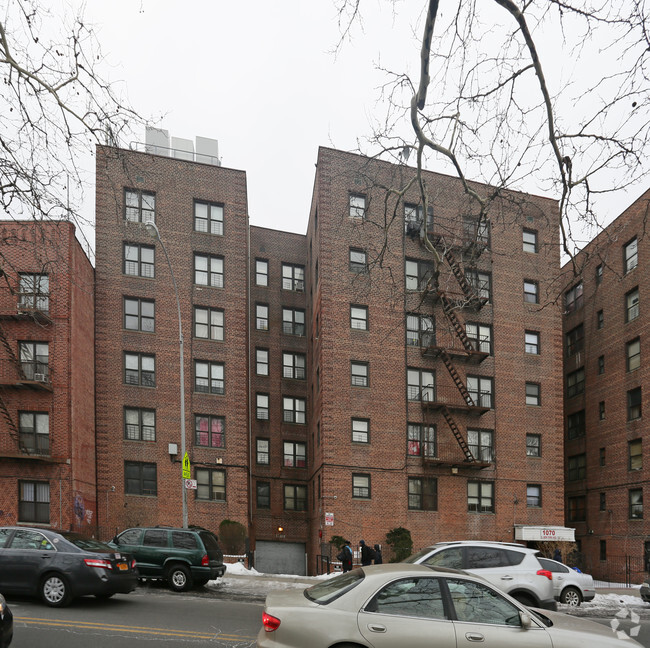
[366,554]
[378,558]
[346,553]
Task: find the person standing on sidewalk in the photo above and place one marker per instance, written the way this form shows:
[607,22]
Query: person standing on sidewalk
[366,554]
[378,559]
[346,557]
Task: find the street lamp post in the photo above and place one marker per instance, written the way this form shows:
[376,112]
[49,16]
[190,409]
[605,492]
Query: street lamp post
[152,228]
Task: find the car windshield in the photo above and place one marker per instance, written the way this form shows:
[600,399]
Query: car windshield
[416,557]
[88,544]
[332,588]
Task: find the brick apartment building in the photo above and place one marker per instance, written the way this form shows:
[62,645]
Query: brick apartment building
[332,387]
[47,446]
[605,331]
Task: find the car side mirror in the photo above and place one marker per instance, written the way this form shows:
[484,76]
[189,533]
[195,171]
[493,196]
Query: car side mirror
[524,620]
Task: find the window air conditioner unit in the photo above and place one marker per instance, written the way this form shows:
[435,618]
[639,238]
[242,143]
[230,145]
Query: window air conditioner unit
[40,377]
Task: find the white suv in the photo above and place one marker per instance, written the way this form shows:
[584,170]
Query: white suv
[511,567]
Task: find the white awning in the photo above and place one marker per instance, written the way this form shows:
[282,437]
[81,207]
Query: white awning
[544,533]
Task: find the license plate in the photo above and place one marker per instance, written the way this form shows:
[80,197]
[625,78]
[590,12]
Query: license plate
[122,566]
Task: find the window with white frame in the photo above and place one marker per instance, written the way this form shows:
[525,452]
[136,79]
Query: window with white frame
[262,407]
[421,440]
[262,452]
[140,369]
[418,274]
[262,317]
[533,445]
[295,497]
[208,217]
[530,240]
[293,277]
[531,342]
[421,385]
[262,362]
[632,305]
[633,354]
[534,495]
[210,485]
[359,374]
[480,496]
[630,255]
[209,377]
[139,424]
[138,260]
[481,389]
[34,360]
[293,321]
[140,478]
[357,206]
[208,323]
[481,282]
[360,430]
[531,291]
[139,315]
[34,430]
[209,431]
[295,454]
[34,291]
[476,231]
[479,336]
[358,261]
[636,503]
[294,410]
[261,272]
[33,501]
[420,330]
[140,206]
[481,444]
[359,317]
[423,494]
[208,270]
[360,486]
[294,366]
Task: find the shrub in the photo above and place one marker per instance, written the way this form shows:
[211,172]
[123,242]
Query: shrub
[400,542]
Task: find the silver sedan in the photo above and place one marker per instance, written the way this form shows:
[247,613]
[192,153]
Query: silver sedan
[391,605]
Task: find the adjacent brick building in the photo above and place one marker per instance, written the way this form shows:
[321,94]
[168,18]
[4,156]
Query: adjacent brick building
[606,381]
[47,445]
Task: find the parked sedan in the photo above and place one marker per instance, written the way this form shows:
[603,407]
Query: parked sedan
[399,604]
[6,623]
[59,566]
[569,586]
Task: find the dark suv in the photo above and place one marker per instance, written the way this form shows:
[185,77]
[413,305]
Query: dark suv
[183,557]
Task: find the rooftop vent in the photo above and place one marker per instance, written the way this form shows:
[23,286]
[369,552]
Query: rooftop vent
[157,142]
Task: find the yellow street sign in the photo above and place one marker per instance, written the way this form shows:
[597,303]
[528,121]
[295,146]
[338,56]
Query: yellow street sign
[187,473]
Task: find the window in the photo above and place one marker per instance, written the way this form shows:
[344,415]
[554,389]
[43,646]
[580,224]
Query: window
[208,323]
[533,394]
[481,444]
[358,261]
[632,305]
[295,454]
[293,365]
[421,385]
[359,374]
[261,272]
[603,549]
[634,404]
[208,217]
[602,502]
[530,240]
[140,369]
[210,485]
[412,219]
[139,315]
[420,330]
[600,319]
[140,478]
[262,317]
[209,431]
[418,274]
[262,407]
[262,450]
[531,342]
[531,291]
[577,467]
[475,231]
[208,270]
[601,410]
[575,382]
[575,340]
[34,359]
[481,390]
[293,277]
[295,497]
[140,206]
[423,494]
[293,321]
[33,502]
[573,299]
[633,354]
[34,429]
[630,256]
[262,362]
[421,440]
[533,445]
[359,317]
[601,456]
[360,486]
[209,377]
[599,274]
[577,509]
[479,336]
[636,503]
[139,424]
[294,410]
[357,206]
[33,292]
[480,497]
[534,495]
[360,430]
[138,260]
[635,453]
[481,282]
[263,492]
[576,425]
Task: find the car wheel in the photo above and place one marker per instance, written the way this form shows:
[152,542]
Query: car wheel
[571,596]
[524,599]
[55,591]
[179,578]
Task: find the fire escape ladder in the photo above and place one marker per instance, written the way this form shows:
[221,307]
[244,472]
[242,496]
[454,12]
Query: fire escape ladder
[466,286]
[456,378]
[448,310]
[457,433]
[10,352]
[13,430]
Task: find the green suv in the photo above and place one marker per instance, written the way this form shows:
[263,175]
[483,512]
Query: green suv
[185,558]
